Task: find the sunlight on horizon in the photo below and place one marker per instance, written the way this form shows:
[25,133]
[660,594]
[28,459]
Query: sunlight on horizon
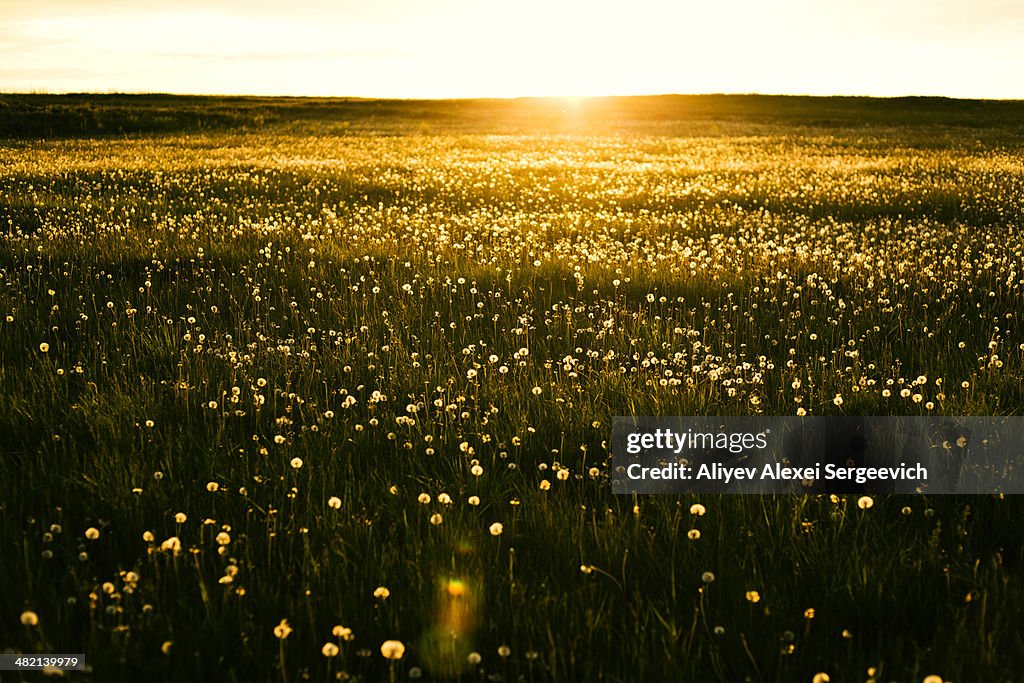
[459,48]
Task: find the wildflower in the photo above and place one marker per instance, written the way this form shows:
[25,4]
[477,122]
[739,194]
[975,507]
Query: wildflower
[44,347]
[92,533]
[329,650]
[436,519]
[29,618]
[864,502]
[424,498]
[693,534]
[821,677]
[504,651]
[381,593]
[707,577]
[697,509]
[282,630]
[296,463]
[343,632]
[334,502]
[180,518]
[474,500]
[753,596]
[392,649]
[496,529]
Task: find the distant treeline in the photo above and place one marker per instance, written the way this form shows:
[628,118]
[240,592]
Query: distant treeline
[56,116]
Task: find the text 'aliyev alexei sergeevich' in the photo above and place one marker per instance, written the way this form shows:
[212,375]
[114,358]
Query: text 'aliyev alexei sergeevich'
[760,454]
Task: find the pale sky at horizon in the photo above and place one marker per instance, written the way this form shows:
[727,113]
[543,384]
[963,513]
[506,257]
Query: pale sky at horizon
[488,48]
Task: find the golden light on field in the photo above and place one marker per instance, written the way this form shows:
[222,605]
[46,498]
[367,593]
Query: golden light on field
[402,48]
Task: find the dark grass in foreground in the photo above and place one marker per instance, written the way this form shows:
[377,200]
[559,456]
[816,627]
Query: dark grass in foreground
[357,371]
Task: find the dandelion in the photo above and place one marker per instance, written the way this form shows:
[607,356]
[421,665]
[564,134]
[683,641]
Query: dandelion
[809,613]
[223,538]
[537,391]
[865,502]
[392,649]
[474,500]
[44,347]
[296,463]
[424,498]
[932,679]
[496,529]
[334,502]
[29,618]
[212,487]
[282,630]
[821,677]
[92,533]
[753,596]
[180,518]
[278,439]
[838,400]
[381,593]
[476,470]
[329,650]
[436,518]
[698,509]
[474,658]
[707,577]
[544,485]
[693,534]
[343,632]
[504,651]
[166,647]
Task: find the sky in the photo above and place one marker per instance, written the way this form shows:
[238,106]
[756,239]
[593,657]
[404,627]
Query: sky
[500,48]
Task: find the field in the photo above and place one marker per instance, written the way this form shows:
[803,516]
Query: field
[283,380]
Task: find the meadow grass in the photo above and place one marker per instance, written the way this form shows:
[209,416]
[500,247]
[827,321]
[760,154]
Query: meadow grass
[353,365]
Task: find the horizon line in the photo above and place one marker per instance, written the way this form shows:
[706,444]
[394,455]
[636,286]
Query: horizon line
[502,98]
